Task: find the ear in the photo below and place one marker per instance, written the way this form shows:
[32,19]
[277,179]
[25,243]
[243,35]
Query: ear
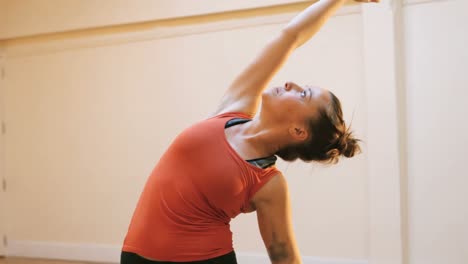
[298,133]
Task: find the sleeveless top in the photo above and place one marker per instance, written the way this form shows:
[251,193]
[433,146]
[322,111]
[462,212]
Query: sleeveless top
[199,184]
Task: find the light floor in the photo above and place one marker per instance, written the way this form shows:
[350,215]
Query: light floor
[38,261]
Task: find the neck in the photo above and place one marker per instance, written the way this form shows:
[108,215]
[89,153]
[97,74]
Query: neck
[260,138]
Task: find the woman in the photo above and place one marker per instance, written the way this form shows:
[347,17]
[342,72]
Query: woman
[224,166]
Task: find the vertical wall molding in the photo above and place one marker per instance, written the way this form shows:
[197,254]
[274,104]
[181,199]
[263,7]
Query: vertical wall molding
[3,219]
[382,34]
[401,111]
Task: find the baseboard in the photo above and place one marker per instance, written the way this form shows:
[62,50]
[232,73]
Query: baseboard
[111,253]
[64,251]
[256,258]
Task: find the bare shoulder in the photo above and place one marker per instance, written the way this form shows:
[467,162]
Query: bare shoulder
[275,189]
[234,107]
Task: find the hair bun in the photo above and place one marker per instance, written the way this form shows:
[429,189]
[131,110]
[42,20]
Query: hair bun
[348,145]
[344,145]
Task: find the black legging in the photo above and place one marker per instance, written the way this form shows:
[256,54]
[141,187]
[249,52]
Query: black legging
[132,258]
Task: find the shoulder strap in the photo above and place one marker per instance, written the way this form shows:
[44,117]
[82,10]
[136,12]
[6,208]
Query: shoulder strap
[236,121]
[263,163]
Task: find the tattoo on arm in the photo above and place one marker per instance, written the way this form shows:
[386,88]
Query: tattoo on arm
[277,250]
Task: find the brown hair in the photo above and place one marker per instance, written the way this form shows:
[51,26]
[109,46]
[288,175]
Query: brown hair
[330,138]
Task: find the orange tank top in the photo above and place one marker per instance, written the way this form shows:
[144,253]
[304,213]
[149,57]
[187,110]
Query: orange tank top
[197,187]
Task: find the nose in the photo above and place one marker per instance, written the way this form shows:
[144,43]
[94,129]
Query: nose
[288,86]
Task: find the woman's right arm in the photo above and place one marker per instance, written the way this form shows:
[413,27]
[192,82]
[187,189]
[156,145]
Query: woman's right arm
[273,208]
[244,94]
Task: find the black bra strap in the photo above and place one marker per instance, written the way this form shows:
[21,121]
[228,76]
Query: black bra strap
[262,163]
[236,121]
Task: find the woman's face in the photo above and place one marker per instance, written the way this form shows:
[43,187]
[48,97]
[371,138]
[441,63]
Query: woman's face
[294,103]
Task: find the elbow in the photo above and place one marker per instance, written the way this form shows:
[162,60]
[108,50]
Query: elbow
[291,36]
[284,257]
[292,260]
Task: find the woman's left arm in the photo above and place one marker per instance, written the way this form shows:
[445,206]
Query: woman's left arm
[273,206]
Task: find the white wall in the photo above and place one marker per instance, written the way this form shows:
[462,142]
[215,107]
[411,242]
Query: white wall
[86,124]
[87,118]
[436,42]
[3,19]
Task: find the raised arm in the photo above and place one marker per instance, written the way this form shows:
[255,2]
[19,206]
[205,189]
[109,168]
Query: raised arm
[274,220]
[244,94]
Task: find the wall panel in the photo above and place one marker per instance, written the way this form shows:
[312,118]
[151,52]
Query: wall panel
[88,124]
[436,63]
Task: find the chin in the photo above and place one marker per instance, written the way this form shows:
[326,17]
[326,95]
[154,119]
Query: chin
[269,93]
[266,95]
